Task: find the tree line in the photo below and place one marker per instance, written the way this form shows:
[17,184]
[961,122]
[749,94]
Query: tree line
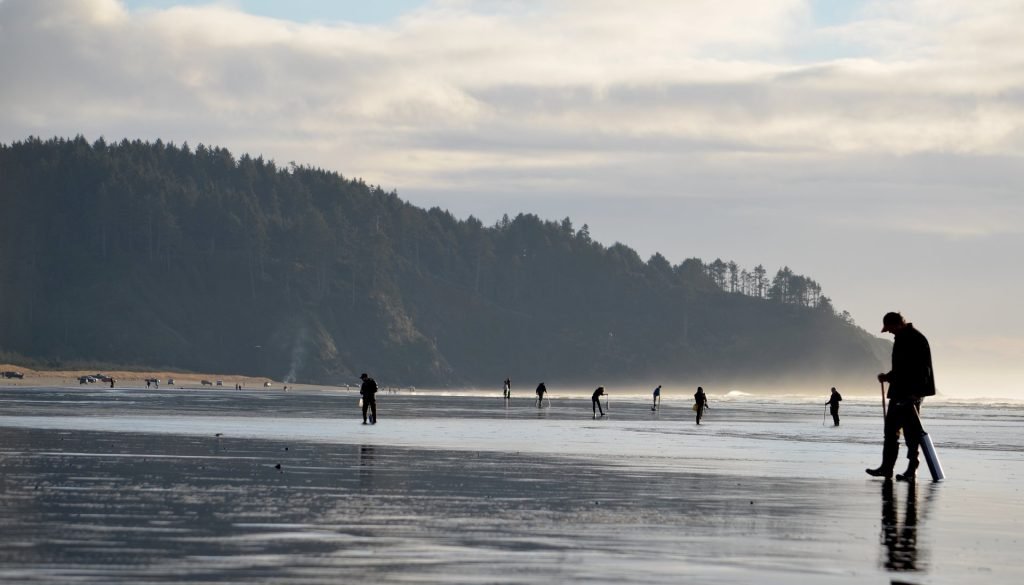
[192,258]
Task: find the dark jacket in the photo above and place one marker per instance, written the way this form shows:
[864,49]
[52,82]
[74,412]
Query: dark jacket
[834,400]
[911,375]
[368,389]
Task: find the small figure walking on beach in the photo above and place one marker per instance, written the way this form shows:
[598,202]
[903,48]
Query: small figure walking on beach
[369,393]
[833,406]
[657,398]
[701,402]
[595,400]
[508,389]
[541,390]
[910,380]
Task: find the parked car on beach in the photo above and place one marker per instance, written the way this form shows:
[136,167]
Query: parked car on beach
[170,381]
[206,383]
[10,374]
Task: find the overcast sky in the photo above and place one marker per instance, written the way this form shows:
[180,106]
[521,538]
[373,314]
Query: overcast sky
[873,146]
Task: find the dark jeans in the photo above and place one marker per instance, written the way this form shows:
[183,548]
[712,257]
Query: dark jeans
[902,416]
[596,405]
[835,414]
[700,412]
[370,403]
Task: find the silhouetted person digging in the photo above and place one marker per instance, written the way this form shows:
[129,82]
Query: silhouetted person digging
[910,380]
[541,391]
[369,393]
[595,401]
[833,405]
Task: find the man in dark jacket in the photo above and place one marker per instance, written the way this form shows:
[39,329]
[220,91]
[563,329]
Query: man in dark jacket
[700,403]
[369,393]
[910,380]
[833,405]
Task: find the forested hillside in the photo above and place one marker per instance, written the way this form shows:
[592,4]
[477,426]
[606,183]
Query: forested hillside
[157,255]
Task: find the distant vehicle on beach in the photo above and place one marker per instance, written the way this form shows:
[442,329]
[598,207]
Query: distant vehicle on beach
[86,380]
[266,384]
[101,377]
[220,382]
[170,381]
[17,375]
[206,383]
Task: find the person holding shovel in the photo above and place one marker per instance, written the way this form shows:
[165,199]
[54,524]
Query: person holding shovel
[595,400]
[910,380]
[833,405]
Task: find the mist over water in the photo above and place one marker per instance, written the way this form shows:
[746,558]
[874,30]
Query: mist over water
[298,356]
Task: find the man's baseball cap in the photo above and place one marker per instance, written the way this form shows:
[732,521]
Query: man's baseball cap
[890,321]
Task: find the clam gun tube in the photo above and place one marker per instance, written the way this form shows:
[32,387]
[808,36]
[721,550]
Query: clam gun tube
[931,458]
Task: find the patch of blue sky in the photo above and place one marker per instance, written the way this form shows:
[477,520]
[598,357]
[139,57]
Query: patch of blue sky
[836,12]
[354,11]
[820,45]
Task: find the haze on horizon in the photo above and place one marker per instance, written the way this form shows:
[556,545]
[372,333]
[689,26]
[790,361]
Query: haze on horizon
[873,146]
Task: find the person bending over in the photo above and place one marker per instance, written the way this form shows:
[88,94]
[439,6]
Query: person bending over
[595,400]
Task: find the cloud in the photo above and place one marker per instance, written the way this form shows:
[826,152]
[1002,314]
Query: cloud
[601,97]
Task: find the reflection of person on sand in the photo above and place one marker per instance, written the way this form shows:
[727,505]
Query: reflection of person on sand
[366,464]
[508,389]
[657,397]
[595,400]
[369,393]
[910,380]
[541,390]
[900,543]
[833,405]
[365,455]
[701,402]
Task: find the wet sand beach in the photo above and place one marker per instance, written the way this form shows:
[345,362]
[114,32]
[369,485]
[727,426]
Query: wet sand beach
[135,486]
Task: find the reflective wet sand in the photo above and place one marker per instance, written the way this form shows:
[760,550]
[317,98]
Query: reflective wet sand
[136,487]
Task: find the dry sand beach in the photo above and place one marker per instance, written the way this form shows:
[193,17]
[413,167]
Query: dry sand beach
[143,486]
[35,378]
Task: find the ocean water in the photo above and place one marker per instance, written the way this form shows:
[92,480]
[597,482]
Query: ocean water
[222,486]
